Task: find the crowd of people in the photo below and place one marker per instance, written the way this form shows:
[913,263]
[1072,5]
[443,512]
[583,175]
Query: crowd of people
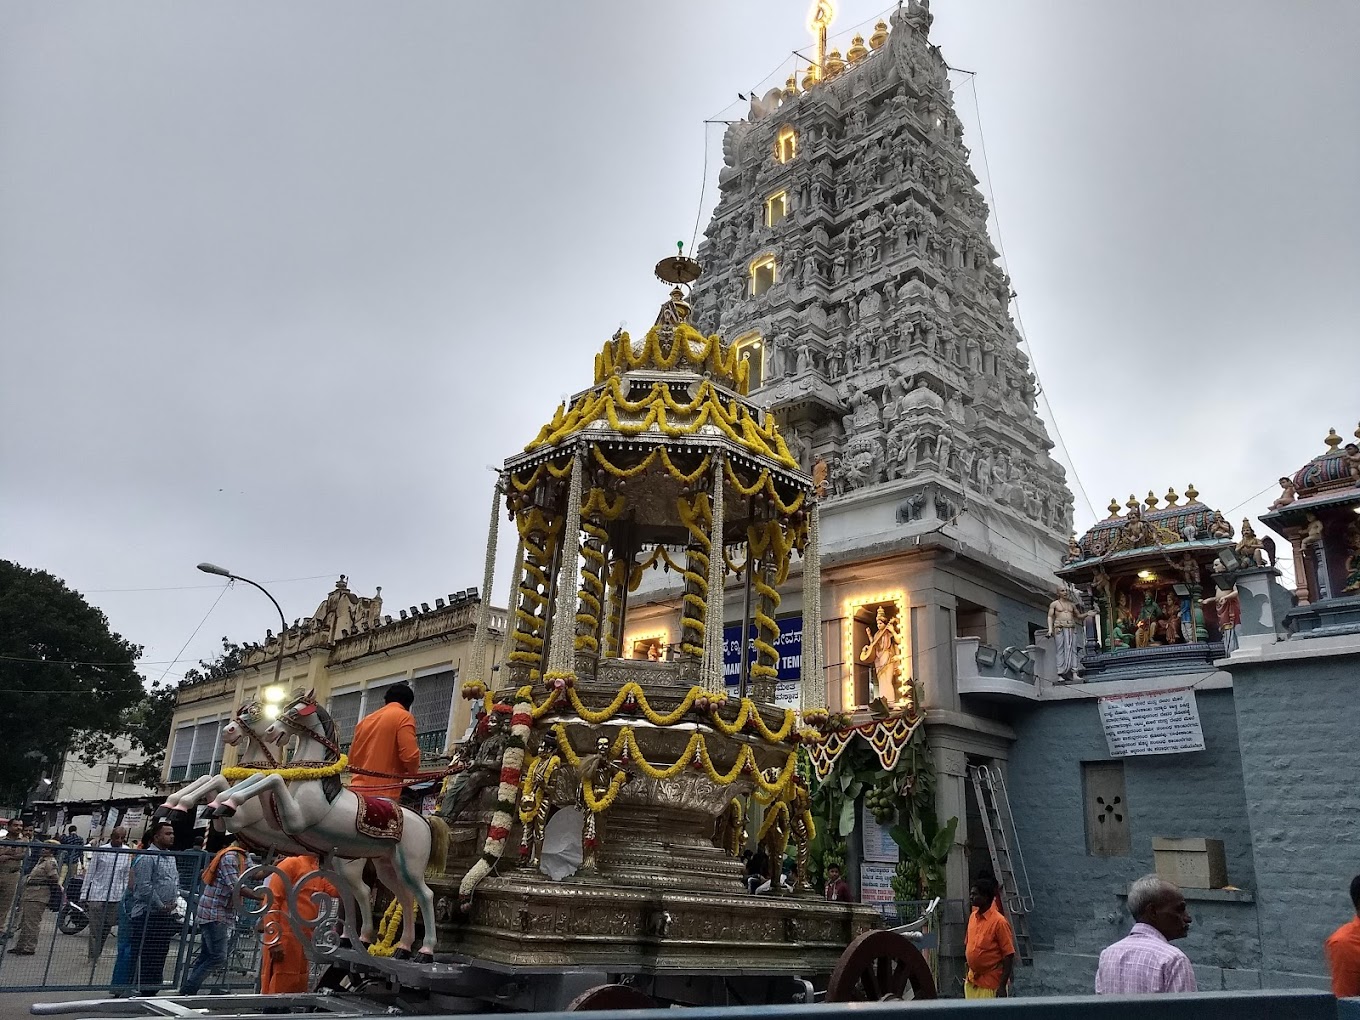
[139,891]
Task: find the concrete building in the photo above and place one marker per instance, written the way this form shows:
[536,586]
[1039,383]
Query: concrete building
[94,797]
[1183,715]
[1215,750]
[348,651]
[848,261]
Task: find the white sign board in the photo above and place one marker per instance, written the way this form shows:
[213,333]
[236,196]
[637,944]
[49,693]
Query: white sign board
[875,883]
[1164,722]
[132,821]
[878,845]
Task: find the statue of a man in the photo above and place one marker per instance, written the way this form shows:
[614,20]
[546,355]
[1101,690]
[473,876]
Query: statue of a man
[882,649]
[482,758]
[1063,620]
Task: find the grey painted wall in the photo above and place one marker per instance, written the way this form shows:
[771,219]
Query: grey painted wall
[1077,907]
[1013,619]
[1300,725]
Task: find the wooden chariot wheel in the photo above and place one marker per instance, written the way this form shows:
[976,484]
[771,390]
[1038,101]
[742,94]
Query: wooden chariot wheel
[611,997]
[877,967]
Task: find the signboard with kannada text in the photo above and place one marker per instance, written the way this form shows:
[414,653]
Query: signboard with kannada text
[1161,722]
[789,644]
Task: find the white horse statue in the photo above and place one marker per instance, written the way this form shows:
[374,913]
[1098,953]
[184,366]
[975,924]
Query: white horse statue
[239,731]
[320,811]
[246,730]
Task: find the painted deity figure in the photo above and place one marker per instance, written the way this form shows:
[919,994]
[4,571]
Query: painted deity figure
[1352,582]
[1229,611]
[598,771]
[882,650]
[1250,548]
[1288,493]
[1064,619]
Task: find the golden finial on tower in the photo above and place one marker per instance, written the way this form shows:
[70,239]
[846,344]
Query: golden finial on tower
[1332,440]
[1113,508]
[857,51]
[834,64]
[880,36]
[1132,502]
[1171,497]
[1191,493]
[823,11]
[791,86]
[1151,500]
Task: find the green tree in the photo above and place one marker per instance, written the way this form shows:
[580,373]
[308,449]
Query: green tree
[146,724]
[62,672]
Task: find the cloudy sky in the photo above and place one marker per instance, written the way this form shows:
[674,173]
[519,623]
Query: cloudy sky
[278,280]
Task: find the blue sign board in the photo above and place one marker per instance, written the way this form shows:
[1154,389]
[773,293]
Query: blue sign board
[790,646]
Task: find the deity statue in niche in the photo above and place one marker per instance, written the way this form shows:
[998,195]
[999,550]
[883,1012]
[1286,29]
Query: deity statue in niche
[1351,584]
[883,651]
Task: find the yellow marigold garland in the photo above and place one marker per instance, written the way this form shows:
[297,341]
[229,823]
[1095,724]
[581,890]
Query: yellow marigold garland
[388,930]
[695,755]
[291,773]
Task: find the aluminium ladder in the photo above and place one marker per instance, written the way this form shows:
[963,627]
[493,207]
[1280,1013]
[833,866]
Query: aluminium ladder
[1008,864]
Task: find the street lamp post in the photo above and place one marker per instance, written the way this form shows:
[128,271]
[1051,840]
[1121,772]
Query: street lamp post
[213,568]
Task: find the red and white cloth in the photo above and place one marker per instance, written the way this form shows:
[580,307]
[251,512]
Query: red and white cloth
[1144,962]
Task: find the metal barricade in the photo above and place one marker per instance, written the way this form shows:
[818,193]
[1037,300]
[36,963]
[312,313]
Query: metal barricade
[78,933]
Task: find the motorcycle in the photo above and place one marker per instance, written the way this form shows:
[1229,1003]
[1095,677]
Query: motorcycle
[72,918]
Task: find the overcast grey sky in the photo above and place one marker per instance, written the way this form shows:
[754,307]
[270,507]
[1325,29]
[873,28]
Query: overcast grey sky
[278,280]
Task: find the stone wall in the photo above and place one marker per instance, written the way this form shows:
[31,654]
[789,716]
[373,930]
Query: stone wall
[1298,721]
[1078,907]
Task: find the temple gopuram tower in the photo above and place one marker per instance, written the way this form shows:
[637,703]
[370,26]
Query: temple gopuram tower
[849,257]
[848,260]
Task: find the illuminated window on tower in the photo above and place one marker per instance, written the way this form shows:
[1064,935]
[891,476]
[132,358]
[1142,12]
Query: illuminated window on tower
[786,145]
[750,349]
[762,275]
[776,208]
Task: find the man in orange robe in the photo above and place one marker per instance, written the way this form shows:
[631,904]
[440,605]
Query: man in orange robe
[285,967]
[385,741]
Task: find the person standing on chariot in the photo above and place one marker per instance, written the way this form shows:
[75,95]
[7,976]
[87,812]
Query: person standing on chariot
[385,741]
[284,967]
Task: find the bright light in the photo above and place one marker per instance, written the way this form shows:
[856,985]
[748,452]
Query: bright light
[275,694]
[646,639]
[272,711]
[848,658]
[1146,575]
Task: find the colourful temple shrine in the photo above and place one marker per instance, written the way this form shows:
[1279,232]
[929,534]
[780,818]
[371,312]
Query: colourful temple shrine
[1142,575]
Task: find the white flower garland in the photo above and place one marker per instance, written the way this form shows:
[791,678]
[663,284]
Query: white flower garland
[478,665]
[562,650]
[812,678]
[516,575]
[712,679]
[507,798]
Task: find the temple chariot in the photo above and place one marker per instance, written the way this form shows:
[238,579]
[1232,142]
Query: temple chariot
[585,851]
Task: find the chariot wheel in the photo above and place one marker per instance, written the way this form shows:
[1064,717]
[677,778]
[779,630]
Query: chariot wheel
[611,997]
[879,966]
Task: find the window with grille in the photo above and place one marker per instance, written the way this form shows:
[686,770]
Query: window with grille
[344,709]
[118,774]
[434,699]
[205,750]
[179,755]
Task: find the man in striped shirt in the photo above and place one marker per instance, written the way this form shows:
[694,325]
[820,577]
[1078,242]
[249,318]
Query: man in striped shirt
[1145,961]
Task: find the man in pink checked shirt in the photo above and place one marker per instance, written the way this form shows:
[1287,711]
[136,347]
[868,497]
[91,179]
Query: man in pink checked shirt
[1145,961]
